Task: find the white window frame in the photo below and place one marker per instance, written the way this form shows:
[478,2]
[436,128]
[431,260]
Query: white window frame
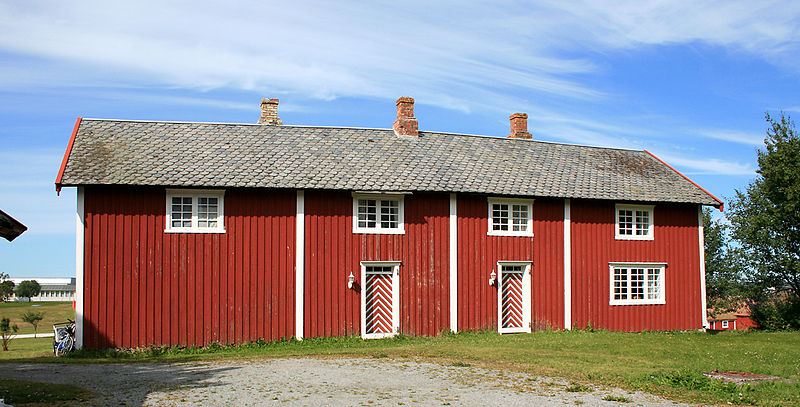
[724,324]
[528,232]
[395,298]
[644,301]
[195,194]
[650,229]
[399,230]
[526,297]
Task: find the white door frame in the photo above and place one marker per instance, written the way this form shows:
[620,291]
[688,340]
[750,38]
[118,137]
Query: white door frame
[395,298]
[526,297]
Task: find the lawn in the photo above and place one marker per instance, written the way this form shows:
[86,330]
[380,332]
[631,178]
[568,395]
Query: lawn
[53,312]
[666,363]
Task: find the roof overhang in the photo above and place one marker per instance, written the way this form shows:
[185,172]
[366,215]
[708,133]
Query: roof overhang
[10,228]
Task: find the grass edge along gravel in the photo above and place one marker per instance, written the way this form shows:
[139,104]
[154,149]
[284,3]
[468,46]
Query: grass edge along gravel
[668,364]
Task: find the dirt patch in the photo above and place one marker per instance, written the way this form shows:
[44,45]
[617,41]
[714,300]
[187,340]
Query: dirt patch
[742,377]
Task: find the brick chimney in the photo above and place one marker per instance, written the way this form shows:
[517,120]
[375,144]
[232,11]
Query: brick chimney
[519,126]
[406,124]
[269,112]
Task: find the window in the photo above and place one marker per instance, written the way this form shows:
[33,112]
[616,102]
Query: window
[634,222]
[510,217]
[724,324]
[378,214]
[195,211]
[633,284]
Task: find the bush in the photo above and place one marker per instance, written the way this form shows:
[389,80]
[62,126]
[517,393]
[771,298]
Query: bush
[779,313]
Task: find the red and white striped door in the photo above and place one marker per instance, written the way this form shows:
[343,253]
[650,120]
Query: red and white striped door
[380,307]
[514,298]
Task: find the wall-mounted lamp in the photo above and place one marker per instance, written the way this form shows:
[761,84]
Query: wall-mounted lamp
[492,278]
[350,279]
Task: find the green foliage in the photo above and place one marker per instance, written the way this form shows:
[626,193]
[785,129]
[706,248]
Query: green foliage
[765,218]
[723,271]
[617,399]
[6,287]
[24,392]
[28,289]
[578,388]
[6,329]
[33,318]
[778,313]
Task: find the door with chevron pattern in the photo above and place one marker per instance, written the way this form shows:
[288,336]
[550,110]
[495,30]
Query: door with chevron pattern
[379,316]
[514,297]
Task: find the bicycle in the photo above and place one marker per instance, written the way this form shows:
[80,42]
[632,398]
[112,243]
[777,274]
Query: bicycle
[64,338]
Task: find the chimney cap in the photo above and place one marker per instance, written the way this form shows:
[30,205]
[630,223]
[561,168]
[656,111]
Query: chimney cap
[269,101]
[405,99]
[518,116]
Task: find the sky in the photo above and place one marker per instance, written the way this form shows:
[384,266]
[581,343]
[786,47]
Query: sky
[689,81]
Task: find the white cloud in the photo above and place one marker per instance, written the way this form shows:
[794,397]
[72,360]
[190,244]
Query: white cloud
[707,165]
[734,136]
[333,49]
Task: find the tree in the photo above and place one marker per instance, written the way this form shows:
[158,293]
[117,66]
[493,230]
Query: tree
[28,289]
[6,330]
[765,218]
[723,278]
[6,287]
[33,318]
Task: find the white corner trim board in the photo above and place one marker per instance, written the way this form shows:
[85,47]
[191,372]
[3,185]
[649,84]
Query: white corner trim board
[453,246]
[567,265]
[299,265]
[80,227]
[701,241]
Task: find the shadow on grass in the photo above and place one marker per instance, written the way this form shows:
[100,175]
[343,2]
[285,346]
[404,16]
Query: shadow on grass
[118,384]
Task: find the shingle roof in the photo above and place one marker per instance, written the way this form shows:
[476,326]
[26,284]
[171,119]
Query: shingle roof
[244,155]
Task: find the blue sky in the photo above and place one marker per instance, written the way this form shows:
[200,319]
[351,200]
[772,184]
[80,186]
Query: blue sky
[689,81]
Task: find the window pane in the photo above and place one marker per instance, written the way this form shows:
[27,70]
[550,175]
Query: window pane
[499,217]
[620,284]
[519,216]
[207,212]
[642,223]
[181,212]
[625,220]
[637,284]
[367,213]
[653,284]
[390,214]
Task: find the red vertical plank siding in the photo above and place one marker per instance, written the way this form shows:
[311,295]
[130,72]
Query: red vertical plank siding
[479,253]
[333,252]
[593,247]
[146,287]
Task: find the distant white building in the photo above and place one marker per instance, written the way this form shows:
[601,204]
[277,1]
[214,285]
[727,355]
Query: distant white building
[53,289]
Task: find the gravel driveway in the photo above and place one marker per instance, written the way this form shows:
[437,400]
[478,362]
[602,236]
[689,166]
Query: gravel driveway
[313,382]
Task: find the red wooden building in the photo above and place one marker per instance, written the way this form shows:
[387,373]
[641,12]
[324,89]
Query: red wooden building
[192,233]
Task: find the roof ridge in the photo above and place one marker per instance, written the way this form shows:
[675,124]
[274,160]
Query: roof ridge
[305,126]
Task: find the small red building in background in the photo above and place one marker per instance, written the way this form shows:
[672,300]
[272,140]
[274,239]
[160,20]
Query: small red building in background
[193,233]
[738,320]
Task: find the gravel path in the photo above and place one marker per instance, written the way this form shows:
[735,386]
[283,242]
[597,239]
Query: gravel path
[314,382]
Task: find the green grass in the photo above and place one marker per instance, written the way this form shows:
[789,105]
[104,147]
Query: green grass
[28,348]
[667,363]
[53,312]
[21,391]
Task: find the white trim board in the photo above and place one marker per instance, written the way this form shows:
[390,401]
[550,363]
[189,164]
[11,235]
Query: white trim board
[453,247]
[299,265]
[701,242]
[80,228]
[567,264]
